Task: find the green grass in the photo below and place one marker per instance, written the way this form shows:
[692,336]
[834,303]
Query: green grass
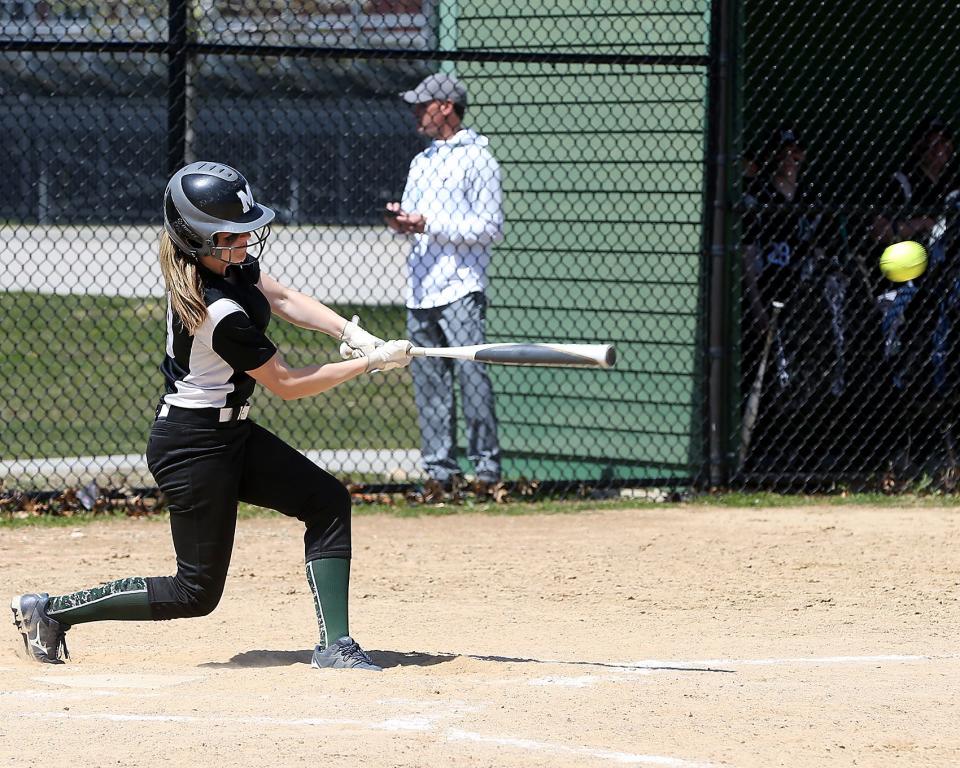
[399,508]
[81,377]
[63,521]
[511,508]
[765,499]
[548,506]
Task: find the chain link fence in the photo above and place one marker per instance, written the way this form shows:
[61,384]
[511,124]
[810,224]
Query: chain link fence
[706,185]
[595,112]
[846,143]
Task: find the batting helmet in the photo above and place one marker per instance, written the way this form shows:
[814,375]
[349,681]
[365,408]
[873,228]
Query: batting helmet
[204,198]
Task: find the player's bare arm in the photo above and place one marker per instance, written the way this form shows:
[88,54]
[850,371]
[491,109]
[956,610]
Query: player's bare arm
[299,309]
[293,383]
[306,312]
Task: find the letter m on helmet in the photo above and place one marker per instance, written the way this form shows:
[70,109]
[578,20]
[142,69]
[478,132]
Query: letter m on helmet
[246,198]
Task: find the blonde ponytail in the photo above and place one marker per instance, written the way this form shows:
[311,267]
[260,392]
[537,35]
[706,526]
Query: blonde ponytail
[183,283]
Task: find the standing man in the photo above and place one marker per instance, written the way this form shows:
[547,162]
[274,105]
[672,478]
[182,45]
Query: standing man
[452,208]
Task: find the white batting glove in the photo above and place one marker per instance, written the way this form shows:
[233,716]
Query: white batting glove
[393,354]
[349,353]
[355,339]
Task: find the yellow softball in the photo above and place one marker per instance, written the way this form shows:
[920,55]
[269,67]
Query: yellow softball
[903,261]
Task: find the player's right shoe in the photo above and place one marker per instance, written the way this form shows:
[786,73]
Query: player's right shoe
[43,638]
[345,653]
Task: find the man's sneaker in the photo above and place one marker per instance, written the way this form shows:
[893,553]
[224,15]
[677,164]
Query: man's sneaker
[43,638]
[345,653]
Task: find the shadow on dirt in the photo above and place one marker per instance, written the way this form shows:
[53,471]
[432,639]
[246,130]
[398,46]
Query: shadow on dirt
[385,659]
[390,659]
[263,659]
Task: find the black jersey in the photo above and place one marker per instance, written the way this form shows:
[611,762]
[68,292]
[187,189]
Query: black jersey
[785,234]
[208,369]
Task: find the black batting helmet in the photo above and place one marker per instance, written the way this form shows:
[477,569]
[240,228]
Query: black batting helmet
[204,198]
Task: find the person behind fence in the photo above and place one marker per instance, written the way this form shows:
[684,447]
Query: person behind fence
[919,202]
[791,257]
[451,208]
[205,451]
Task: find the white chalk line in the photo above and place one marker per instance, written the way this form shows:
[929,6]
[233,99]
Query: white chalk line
[416,723]
[654,664]
[412,723]
[455,734]
[64,695]
[139,681]
[632,671]
[713,665]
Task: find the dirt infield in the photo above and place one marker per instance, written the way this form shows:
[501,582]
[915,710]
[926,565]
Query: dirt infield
[669,636]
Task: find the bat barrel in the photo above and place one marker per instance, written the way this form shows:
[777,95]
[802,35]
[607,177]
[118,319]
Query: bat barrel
[575,355]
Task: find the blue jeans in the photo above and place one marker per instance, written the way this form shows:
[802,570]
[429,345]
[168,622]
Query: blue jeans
[460,323]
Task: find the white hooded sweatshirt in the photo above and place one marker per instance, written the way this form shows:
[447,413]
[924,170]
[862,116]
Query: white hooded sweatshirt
[455,184]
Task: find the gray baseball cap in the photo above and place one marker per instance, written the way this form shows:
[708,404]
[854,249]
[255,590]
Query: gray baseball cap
[437,88]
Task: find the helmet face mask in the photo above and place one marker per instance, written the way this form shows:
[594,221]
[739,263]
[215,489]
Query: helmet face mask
[203,199]
[248,270]
[254,246]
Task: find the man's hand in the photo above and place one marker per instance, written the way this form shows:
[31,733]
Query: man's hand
[412,223]
[404,223]
[390,217]
[355,339]
[393,354]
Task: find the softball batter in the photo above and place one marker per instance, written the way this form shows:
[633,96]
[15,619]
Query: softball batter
[205,452]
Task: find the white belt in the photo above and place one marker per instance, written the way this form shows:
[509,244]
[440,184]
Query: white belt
[234,414]
[225,414]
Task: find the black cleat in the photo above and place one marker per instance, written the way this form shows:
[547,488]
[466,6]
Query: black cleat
[43,638]
[345,653]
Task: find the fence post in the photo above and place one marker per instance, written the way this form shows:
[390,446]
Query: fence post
[720,308]
[177,59]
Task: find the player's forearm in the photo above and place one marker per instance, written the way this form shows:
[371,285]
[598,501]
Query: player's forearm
[306,312]
[299,309]
[294,383]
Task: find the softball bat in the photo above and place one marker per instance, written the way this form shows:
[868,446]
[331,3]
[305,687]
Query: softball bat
[752,409]
[520,353]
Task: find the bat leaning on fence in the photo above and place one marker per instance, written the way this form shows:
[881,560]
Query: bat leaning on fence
[752,409]
[521,353]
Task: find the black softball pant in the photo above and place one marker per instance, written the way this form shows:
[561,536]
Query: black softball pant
[203,472]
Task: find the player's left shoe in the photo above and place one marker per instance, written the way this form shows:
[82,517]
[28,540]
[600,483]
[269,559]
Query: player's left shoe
[43,638]
[345,653]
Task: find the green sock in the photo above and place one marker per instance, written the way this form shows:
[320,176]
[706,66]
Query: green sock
[121,600]
[329,580]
